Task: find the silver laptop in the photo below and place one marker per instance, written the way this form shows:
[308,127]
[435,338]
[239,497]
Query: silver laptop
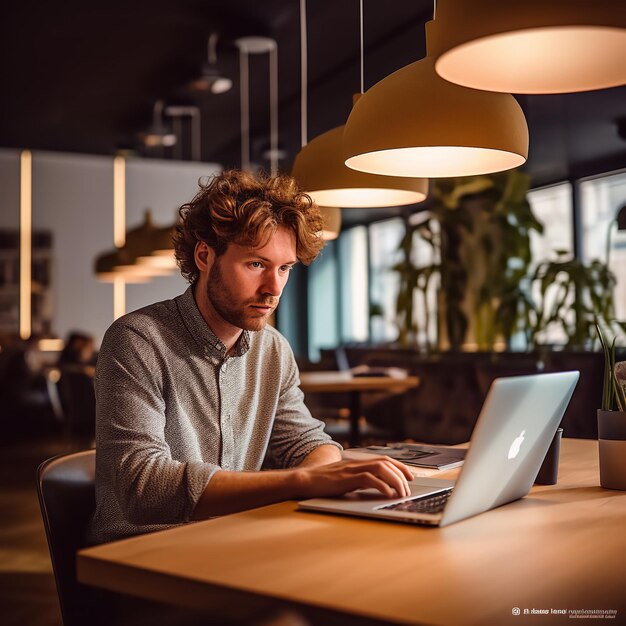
[512,435]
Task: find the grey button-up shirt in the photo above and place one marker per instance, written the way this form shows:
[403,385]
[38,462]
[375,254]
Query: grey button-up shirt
[173,408]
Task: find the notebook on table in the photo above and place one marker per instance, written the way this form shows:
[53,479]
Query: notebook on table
[514,430]
[418,455]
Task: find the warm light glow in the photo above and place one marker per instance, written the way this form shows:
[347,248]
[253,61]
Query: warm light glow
[320,169]
[165,262]
[362,198]
[119,201]
[119,297]
[111,277]
[539,60]
[26,226]
[436,161]
[50,345]
[142,271]
[119,231]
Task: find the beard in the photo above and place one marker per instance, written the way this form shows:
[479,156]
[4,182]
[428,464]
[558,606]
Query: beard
[233,310]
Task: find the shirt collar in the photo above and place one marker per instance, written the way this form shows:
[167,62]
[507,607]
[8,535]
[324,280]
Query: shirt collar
[200,331]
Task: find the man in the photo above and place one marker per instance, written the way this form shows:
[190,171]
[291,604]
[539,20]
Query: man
[195,393]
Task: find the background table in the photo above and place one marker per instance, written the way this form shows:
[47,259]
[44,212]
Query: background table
[339,382]
[561,547]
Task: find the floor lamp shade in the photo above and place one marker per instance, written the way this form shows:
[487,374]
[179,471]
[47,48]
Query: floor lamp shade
[531,46]
[414,123]
[319,168]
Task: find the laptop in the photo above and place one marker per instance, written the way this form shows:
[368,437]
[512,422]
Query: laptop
[510,440]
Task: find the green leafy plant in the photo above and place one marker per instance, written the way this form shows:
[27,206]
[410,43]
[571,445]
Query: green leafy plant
[479,229]
[581,294]
[612,392]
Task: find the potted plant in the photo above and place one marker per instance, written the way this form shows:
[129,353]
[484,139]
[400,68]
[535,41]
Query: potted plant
[479,230]
[612,421]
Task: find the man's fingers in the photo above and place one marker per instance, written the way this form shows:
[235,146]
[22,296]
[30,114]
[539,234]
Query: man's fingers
[388,472]
[368,480]
[406,490]
[402,467]
[395,478]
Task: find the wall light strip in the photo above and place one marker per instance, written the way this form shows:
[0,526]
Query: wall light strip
[119,230]
[26,234]
[119,297]
[119,201]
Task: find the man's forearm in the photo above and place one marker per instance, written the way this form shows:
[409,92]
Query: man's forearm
[231,492]
[322,455]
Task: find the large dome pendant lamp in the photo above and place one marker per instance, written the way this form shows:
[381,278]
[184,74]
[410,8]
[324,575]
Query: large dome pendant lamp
[319,166]
[414,123]
[531,46]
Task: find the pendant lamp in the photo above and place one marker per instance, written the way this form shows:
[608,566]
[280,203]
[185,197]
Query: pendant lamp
[332,222]
[140,244]
[531,46]
[147,253]
[320,169]
[414,123]
[106,272]
[212,80]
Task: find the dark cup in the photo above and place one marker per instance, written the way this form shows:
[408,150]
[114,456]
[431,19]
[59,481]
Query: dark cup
[549,470]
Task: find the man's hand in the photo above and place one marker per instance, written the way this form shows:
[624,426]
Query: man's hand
[229,492]
[387,475]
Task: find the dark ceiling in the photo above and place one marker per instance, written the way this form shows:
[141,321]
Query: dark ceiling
[83,77]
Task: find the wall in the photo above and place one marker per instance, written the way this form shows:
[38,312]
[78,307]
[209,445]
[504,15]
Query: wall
[73,198]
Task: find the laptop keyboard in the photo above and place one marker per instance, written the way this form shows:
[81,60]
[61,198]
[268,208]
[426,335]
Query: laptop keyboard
[430,504]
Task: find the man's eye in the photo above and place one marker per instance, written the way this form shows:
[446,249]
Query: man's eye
[256,264]
[286,268]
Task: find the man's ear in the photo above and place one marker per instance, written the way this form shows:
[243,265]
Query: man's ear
[204,256]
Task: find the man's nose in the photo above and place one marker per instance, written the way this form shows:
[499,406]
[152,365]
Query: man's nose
[272,283]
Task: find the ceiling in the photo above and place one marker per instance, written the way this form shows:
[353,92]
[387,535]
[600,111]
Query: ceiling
[83,77]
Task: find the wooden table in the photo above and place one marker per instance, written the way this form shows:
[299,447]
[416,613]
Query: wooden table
[340,382]
[562,547]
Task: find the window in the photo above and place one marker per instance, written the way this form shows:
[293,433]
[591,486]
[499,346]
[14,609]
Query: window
[552,206]
[384,239]
[601,199]
[425,302]
[323,302]
[353,281]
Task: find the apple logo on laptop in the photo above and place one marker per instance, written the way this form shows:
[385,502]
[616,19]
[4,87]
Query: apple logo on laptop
[516,445]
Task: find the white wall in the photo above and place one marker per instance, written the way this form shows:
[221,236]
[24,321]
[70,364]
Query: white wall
[73,198]
[162,186]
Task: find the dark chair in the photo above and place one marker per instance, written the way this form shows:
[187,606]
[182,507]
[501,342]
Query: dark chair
[66,489]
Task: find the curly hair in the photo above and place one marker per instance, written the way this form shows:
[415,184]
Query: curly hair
[239,207]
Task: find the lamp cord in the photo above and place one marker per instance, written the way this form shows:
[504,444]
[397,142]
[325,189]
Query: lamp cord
[274,110]
[244,107]
[303,75]
[361,21]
